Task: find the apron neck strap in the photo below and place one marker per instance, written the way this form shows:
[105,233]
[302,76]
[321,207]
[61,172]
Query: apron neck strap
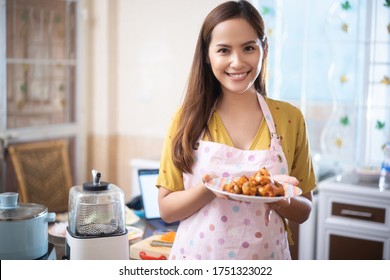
[267,115]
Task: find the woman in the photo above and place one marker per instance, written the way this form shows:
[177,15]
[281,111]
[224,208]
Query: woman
[225,127]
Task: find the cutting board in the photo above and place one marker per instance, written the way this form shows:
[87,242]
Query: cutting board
[142,250]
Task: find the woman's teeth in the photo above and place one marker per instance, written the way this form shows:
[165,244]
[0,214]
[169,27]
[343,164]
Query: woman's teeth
[238,76]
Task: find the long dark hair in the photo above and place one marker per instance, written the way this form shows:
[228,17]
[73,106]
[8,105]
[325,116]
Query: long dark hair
[203,89]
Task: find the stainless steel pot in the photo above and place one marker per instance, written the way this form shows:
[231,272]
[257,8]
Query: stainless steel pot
[23,228]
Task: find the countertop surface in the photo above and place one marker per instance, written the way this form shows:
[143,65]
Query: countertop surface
[350,183]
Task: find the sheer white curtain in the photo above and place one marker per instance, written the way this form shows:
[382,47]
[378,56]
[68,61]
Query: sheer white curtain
[332,60]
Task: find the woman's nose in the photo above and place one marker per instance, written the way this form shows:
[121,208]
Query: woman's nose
[237,60]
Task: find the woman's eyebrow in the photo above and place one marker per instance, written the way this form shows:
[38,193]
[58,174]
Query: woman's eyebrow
[250,42]
[244,44]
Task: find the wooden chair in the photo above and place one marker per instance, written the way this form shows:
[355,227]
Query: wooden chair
[43,173]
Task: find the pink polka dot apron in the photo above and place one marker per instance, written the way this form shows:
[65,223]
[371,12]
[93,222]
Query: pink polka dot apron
[228,229]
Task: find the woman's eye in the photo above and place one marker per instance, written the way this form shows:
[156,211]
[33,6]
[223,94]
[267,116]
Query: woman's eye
[249,48]
[223,51]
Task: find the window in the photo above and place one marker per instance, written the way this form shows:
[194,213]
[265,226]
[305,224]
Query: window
[40,79]
[40,62]
[332,60]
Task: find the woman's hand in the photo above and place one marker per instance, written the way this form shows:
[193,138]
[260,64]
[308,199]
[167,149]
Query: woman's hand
[286,179]
[207,178]
[275,206]
[282,202]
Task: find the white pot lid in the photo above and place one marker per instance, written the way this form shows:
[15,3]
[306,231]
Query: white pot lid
[11,210]
[22,212]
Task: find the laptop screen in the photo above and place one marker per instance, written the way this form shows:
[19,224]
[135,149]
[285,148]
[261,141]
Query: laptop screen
[147,179]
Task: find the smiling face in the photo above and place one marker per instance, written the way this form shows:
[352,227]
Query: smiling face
[235,55]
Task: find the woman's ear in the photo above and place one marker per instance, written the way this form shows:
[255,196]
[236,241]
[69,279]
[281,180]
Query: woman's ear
[265,48]
[264,44]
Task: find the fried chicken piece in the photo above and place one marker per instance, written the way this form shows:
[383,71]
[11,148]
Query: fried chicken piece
[279,190]
[252,181]
[271,190]
[262,176]
[249,189]
[265,190]
[232,187]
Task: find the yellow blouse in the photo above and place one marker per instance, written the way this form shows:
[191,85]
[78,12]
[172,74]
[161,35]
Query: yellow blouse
[290,126]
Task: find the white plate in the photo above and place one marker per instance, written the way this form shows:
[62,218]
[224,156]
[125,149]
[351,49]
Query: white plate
[134,233]
[62,217]
[217,184]
[58,229]
[130,217]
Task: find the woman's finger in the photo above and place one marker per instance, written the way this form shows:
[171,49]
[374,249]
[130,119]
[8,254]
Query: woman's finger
[206,178]
[286,179]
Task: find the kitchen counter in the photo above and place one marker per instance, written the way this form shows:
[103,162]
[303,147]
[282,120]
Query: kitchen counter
[348,182]
[58,242]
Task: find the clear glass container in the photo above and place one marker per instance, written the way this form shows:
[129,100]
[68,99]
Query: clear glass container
[96,209]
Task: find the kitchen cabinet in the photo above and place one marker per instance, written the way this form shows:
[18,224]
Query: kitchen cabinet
[353,220]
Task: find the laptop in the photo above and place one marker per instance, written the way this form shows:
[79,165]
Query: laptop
[147,179]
